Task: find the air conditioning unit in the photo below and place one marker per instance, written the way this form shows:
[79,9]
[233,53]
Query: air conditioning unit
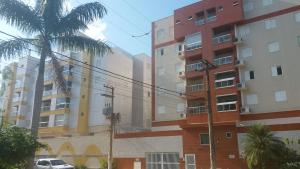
[238,40]
[245,109]
[181,74]
[241,86]
[240,63]
[182,115]
[181,54]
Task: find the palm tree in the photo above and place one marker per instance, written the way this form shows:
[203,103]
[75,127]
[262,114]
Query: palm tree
[263,150]
[49,25]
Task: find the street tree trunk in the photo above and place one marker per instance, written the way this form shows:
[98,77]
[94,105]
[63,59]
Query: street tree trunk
[38,94]
[212,146]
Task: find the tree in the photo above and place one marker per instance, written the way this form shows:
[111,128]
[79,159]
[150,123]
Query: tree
[16,145]
[262,149]
[104,164]
[49,25]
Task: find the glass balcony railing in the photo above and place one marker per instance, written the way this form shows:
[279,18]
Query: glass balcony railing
[193,46]
[195,88]
[226,106]
[47,93]
[222,38]
[45,108]
[211,18]
[196,110]
[223,60]
[62,105]
[194,67]
[228,82]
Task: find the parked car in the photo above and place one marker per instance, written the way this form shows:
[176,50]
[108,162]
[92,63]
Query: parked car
[52,163]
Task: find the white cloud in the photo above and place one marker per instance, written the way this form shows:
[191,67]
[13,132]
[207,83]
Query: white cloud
[96,30]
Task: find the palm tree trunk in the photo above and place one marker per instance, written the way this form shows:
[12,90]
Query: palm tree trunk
[38,94]
[212,146]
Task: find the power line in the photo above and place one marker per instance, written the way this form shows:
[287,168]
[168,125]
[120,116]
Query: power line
[138,11]
[111,74]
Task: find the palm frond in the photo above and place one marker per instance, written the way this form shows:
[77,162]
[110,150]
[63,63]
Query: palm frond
[83,43]
[51,11]
[17,13]
[11,48]
[60,80]
[80,17]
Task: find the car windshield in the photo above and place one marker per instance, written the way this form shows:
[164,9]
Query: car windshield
[57,162]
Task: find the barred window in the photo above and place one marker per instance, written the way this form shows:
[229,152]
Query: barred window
[162,161]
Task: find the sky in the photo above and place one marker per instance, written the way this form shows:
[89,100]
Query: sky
[125,18]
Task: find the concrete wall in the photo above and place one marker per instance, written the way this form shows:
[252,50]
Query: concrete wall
[265,84]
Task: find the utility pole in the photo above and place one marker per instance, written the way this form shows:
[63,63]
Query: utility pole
[212,146]
[112,123]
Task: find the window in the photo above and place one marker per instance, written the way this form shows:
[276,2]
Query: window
[190,161]
[244,31]
[161,71]
[180,49]
[161,109]
[59,120]
[190,18]
[270,24]
[162,161]
[177,22]
[267,2]
[193,41]
[43,163]
[44,121]
[248,6]
[276,71]
[161,52]
[247,52]
[180,107]
[226,103]
[204,139]
[251,99]
[228,135]
[280,96]
[249,75]
[62,103]
[297,17]
[273,47]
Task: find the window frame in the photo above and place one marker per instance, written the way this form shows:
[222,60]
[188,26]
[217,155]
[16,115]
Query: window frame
[186,164]
[201,138]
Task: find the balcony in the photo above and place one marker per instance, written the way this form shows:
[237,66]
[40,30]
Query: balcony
[211,15]
[223,60]
[47,93]
[227,106]
[45,108]
[62,105]
[211,18]
[200,21]
[193,46]
[195,88]
[194,67]
[222,39]
[196,110]
[228,82]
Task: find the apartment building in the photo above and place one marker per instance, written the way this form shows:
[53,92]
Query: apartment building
[254,45]
[76,121]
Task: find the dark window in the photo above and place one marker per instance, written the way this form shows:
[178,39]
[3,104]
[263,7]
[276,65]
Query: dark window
[251,74]
[161,52]
[180,48]
[279,70]
[228,135]
[204,139]
[190,17]
[178,22]
[44,163]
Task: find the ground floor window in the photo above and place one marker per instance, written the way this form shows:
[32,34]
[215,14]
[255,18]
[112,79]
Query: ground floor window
[162,161]
[190,161]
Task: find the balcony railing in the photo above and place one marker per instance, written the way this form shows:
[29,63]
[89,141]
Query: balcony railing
[47,93]
[196,110]
[195,88]
[194,67]
[62,105]
[228,82]
[222,39]
[193,46]
[45,108]
[223,60]
[211,18]
[199,21]
[226,106]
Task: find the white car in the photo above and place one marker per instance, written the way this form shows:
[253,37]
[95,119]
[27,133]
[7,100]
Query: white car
[52,163]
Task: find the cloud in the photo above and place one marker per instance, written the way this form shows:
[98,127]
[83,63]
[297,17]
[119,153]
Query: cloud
[96,30]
